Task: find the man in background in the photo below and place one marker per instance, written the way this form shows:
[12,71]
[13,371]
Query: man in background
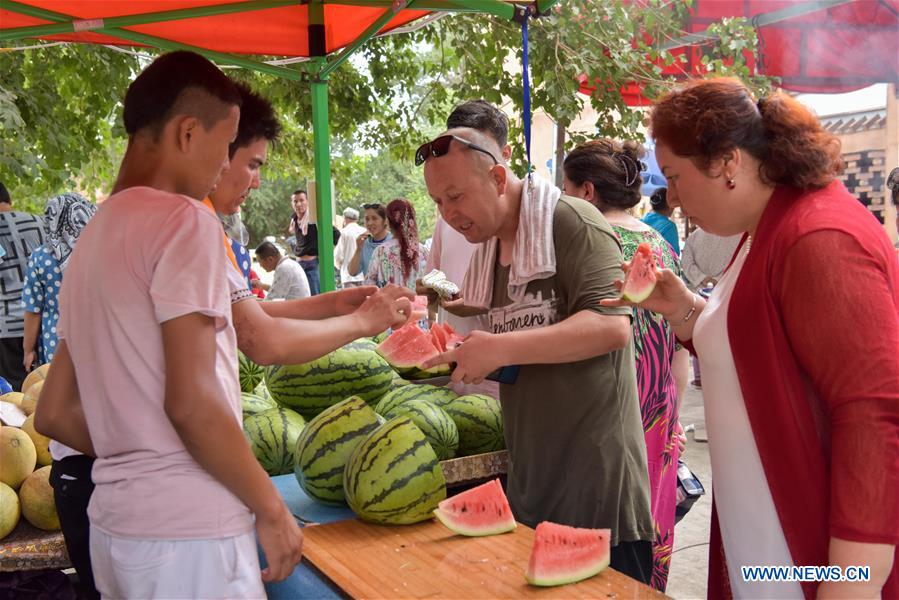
[346,248]
[20,234]
[289,282]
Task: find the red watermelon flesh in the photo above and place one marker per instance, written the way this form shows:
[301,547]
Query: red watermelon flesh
[408,346]
[453,339]
[563,554]
[439,336]
[641,277]
[480,511]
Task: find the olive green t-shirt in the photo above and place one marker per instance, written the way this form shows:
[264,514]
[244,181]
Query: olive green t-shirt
[574,431]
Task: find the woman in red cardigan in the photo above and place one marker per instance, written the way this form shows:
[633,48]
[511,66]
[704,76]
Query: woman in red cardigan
[799,343]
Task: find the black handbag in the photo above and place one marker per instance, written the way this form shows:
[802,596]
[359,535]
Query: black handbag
[689,490]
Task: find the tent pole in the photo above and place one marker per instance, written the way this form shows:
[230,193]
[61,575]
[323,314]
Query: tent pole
[321,159]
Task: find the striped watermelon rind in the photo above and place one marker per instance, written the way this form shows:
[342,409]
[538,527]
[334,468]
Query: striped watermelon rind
[361,344]
[326,444]
[393,476]
[437,426]
[249,373]
[273,437]
[262,391]
[252,404]
[310,388]
[439,396]
[479,419]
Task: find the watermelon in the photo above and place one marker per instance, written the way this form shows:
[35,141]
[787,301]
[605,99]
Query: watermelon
[408,346]
[262,391]
[438,337]
[325,445]
[273,436]
[438,427]
[311,387]
[438,396]
[563,554]
[250,373]
[641,276]
[480,511]
[479,419]
[361,344]
[393,476]
[251,404]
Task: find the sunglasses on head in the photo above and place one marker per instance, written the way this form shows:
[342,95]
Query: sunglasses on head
[375,206]
[440,146]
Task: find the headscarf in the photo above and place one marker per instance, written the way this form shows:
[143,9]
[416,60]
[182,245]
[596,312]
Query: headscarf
[401,217]
[64,218]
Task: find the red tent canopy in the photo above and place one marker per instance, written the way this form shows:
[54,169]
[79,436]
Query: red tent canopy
[277,31]
[851,45]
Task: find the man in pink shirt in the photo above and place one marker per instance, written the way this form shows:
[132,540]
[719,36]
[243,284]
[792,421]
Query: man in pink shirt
[146,325]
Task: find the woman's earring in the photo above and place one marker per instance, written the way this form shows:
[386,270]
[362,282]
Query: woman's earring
[731,184]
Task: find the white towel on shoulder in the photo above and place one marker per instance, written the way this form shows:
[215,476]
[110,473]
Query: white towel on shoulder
[534,255]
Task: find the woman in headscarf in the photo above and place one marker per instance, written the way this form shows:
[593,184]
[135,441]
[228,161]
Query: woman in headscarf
[403,259]
[64,218]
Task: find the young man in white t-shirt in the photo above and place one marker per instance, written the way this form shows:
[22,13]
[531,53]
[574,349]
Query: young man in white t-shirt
[146,325]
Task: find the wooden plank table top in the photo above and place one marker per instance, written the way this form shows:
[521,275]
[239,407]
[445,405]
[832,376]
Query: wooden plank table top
[427,560]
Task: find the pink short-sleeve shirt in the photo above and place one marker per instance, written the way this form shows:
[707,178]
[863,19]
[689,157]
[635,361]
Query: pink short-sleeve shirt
[148,257]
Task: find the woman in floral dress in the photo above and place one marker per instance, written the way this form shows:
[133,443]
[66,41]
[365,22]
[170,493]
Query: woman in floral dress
[606,173]
[402,259]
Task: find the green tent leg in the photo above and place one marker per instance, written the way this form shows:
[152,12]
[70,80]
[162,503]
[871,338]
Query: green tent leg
[321,152]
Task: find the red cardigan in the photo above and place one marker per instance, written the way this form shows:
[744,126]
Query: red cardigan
[814,330]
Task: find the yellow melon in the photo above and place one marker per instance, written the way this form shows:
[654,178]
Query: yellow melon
[41,442]
[14,397]
[38,505]
[39,374]
[29,402]
[18,456]
[9,510]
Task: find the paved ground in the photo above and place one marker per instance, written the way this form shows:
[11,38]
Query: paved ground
[689,563]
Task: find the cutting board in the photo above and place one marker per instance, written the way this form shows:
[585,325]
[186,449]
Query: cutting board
[427,560]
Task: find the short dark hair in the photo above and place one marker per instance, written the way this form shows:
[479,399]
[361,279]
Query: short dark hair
[295,192]
[176,83]
[257,120]
[4,194]
[267,250]
[482,116]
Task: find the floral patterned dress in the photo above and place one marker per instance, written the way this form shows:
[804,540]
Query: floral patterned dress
[655,346]
[385,266]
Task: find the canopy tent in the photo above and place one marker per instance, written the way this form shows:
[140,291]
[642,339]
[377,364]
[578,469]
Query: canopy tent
[323,32]
[813,46]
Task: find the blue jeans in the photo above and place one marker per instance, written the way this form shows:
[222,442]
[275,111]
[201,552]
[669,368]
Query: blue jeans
[311,269]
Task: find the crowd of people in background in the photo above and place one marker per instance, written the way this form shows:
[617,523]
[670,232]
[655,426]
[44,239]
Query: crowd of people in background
[803,438]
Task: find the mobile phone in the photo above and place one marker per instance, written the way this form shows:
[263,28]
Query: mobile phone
[507,375]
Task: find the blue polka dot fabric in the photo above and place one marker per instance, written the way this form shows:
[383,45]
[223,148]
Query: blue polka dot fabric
[243,261]
[43,278]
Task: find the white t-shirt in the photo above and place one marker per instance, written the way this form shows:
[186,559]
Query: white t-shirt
[148,257]
[290,281]
[345,250]
[451,253]
[750,529]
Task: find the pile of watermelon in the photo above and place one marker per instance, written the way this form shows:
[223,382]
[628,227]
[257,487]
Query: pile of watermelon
[354,431]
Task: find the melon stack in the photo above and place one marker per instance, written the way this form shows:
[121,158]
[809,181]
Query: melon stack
[25,461]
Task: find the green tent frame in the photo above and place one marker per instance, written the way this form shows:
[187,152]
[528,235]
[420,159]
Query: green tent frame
[316,70]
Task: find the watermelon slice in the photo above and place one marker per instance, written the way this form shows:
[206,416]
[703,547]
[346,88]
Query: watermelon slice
[563,554]
[408,346]
[453,339]
[480,511]
[641,277]
[439,336]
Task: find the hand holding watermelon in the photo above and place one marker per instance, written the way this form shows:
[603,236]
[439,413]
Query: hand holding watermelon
[389,307]
[347,301]
[478,356]
[669,295]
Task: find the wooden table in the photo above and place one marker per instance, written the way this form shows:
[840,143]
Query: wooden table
[427,560]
